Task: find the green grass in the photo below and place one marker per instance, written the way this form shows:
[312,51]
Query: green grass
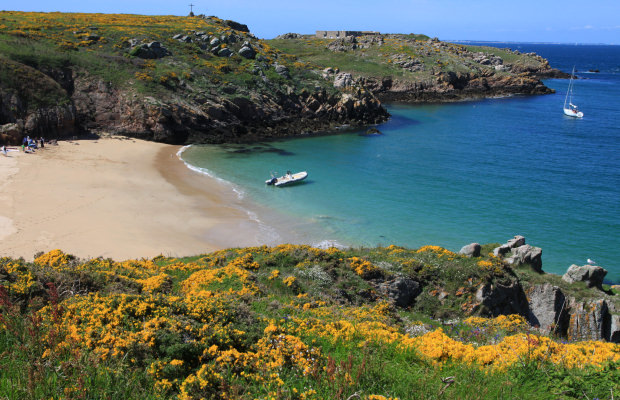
[377,60]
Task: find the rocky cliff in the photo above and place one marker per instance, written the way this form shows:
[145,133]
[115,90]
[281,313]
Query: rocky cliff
[414,68]
[574,306]
[195,80]
[202,79]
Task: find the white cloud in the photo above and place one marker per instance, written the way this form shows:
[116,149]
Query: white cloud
[581,28]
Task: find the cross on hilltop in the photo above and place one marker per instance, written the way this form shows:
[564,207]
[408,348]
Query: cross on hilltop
[191,8]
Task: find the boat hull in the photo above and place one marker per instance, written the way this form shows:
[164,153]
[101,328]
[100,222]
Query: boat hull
[572,113]
[288,179]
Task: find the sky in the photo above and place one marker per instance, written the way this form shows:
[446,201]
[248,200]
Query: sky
[568,21]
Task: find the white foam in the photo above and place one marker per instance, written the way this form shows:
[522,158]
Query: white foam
[182,150]
[204,171]
[327,244]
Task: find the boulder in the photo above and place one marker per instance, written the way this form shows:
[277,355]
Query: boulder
[515,242]
[214,42]
[342,80]
[150,50]
[247,52]
[471,250]
[290,36]
[593,275]
[11,133]
[236,26]
[225,52]
[527,254]
[520,253]
[501,250]
[283,71]
[402,291]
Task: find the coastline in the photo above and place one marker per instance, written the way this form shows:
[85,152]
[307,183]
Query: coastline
[118,198]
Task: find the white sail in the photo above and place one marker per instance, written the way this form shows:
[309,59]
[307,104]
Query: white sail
[572,110]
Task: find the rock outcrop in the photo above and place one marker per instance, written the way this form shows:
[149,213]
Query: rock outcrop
[101,106]
[548,308]
[290,35]
[591,274]
[552,311]
[152,50]
[471,250]
[401,291]
[453,87]
[501,299]
[516,253]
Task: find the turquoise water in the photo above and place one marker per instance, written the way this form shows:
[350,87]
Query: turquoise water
[452,174]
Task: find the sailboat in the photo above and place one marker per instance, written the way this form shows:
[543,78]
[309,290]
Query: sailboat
[572,110]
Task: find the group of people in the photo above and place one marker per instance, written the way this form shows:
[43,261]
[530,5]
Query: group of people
[30,145]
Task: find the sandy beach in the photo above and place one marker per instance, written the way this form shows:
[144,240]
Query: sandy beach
[115,197]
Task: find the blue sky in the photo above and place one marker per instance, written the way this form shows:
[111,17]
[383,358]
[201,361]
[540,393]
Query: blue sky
[569,21]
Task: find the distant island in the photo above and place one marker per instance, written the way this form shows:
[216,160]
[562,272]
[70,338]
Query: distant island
[202,79]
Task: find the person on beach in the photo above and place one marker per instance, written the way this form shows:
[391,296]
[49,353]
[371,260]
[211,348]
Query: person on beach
[42,142]
[4,150]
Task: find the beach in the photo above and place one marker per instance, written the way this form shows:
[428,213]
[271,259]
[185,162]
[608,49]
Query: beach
[116,198]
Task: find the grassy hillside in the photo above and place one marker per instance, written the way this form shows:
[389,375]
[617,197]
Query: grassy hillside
[101,45]
[290,322]
[412,58]
[203,80]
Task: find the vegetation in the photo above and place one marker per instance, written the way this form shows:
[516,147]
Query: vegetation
[289,322]
[412,58]
[105,46]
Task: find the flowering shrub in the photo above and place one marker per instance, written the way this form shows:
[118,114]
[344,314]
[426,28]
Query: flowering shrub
[363,268]
[212,327]
[55,258]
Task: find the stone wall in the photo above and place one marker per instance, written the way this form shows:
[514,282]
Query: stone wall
[342,34]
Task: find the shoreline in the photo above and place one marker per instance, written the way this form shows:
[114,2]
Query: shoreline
[116,198]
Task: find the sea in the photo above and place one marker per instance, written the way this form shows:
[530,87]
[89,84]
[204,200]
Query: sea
[451,174]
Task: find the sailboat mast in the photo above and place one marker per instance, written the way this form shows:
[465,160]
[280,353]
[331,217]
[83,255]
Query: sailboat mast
[570,88]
